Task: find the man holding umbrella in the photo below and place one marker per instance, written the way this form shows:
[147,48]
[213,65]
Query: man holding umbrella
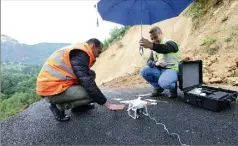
[162,71]
[162,66]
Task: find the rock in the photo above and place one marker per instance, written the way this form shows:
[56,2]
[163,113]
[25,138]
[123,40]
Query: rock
[206,80]
[236,73]
[209,63]
[213,49]
[186,59]
[233,81]
[215,80]
[213,69]
[227,74]
[233,66]
[205,68]
[213,58]
[233,73]
[214,13]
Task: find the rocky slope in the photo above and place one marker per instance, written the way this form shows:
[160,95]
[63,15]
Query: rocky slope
[212,38]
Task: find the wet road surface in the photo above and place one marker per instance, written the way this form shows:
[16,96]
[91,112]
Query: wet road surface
[196,126]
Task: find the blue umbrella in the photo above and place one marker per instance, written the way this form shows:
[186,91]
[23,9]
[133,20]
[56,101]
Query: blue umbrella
[140,12]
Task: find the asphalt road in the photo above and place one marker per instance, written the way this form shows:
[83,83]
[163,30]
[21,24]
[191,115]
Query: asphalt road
[196,126]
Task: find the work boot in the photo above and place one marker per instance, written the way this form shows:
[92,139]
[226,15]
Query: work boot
[156,92]
[83,108]
[173,93]
[59,114]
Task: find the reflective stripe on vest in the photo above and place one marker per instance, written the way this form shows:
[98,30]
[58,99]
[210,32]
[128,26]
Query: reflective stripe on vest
[57,74]
[56,57]
[172,59]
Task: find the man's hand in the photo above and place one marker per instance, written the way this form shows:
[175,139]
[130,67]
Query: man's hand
[114,106]
[161,63]
[146,43]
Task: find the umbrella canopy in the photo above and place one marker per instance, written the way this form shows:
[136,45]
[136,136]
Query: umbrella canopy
[140,12]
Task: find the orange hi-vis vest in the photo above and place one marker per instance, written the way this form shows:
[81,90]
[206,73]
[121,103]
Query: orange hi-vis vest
[57,74]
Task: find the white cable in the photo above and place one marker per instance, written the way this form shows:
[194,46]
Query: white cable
[157,123]
[167,130]
[143,95]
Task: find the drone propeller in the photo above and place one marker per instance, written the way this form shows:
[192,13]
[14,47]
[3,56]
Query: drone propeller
[150,100]
[140,95]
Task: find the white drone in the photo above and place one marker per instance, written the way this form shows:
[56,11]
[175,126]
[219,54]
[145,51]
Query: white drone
[139,105]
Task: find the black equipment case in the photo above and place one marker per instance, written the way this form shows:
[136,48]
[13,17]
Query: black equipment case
[191,78]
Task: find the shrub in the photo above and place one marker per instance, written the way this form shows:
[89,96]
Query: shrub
[116,34]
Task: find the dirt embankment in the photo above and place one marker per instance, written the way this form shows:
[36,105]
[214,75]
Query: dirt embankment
[214,40]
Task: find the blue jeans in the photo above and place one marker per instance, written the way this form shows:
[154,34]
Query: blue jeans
[160,77]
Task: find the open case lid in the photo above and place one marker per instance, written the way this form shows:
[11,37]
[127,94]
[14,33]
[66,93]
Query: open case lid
[190,74]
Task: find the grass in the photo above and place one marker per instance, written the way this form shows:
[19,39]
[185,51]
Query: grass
[196,12]
[207,41]
[199,8]
[212,51]
[116,34]
[228,39]
[234,29]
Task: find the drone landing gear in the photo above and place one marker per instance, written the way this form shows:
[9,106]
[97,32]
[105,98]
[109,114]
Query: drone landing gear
[134,112]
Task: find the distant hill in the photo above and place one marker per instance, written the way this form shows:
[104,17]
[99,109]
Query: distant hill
[12,50]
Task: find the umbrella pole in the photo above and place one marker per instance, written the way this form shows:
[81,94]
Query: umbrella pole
[141,48]
[141,30]
[141,18]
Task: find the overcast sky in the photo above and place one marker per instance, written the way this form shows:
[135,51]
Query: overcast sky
[65,21]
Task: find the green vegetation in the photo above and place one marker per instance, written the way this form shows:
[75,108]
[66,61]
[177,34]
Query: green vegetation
[209,45]
[18,84]
[116,34]
[199,8]
[212,50]
[228,39]
[28,54]
[18,81]
[234,29]
[196,11]
[207,41]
